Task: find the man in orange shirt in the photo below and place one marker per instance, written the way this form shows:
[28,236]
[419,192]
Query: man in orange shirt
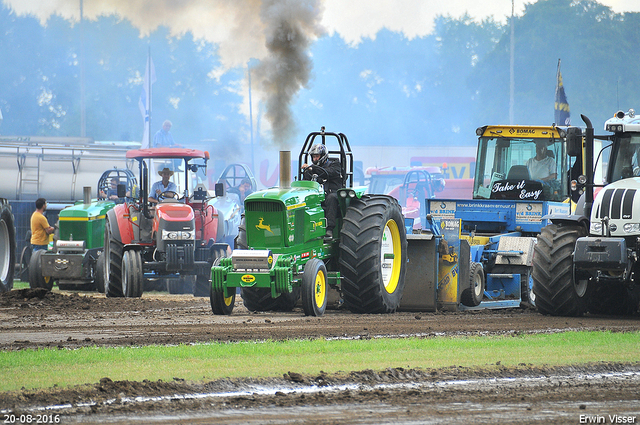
[40,229]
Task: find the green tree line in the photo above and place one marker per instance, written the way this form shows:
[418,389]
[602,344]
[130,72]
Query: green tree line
[432,90]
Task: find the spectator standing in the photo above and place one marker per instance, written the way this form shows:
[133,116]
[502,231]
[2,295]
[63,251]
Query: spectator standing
[40,229]
[163,138]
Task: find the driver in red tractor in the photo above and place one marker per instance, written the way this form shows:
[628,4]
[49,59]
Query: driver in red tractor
[328,172]
[162,186]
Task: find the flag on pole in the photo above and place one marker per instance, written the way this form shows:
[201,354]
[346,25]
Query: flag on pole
[562,115]
[145,101]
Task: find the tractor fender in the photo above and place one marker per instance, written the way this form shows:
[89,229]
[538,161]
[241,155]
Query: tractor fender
[121,228]
[568,219]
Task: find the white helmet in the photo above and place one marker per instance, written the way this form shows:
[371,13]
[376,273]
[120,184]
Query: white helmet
[319,149]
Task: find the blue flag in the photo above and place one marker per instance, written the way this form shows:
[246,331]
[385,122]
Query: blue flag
[562,115]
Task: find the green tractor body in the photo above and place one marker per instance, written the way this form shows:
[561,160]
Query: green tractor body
[81,237]
[283,253]
[73,261]
[289,231]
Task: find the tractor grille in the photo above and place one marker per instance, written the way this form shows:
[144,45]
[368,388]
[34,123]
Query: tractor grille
[617,204]
[264,207]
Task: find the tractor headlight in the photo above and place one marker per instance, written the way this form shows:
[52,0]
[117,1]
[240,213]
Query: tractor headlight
[347,194]
[178,235]
[596,228]
[631,228]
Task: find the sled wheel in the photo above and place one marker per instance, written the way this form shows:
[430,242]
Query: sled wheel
[36,280]
[113,263]
[373,254]
[314,288]
[472,295]
[7,247]
[557,291]
[132,274]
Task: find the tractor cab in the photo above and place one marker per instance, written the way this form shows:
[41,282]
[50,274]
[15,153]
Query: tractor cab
[167,230]
[522,163]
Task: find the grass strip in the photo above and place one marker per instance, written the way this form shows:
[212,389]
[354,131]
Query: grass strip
[45,368]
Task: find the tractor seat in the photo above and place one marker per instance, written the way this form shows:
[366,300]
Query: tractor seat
[518,172]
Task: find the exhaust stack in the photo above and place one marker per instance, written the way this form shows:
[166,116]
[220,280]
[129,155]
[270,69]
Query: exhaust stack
[86,194]
[285,169]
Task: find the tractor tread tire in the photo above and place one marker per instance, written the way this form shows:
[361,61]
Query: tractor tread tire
[360,254]
[132,277]
[8,248]
[553,280]
[113,249]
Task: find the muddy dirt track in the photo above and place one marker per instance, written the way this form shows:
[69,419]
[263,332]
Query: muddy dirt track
[38,319]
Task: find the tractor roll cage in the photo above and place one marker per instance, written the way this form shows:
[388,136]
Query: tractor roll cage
[344,154]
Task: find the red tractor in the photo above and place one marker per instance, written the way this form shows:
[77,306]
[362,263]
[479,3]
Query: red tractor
[177,236]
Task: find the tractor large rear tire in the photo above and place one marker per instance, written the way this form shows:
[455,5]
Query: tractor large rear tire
[36,279]
[373,254]
[113,263]
[132,277]
[556,292]
[7,247]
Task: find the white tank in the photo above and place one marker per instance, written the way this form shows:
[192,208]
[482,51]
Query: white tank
[57,168]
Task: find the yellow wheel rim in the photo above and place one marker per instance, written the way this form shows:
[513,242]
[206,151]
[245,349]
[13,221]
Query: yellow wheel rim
[391,256]
[320,292]
[228,301]
[47,279]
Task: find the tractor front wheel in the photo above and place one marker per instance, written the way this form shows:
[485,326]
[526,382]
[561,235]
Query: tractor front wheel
[36,279]
[314,288]
[132,274]
[221,305]
[557,291]
[373,254]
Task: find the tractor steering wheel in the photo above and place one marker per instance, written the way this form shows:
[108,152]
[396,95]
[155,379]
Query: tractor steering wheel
[316,173]
[169,194]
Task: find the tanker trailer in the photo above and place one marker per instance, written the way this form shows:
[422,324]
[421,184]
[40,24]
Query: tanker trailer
[55,168]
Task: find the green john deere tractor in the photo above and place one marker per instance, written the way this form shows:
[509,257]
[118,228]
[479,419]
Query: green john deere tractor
[282,252]
[75,261]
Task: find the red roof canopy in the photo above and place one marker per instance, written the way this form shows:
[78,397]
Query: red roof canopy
[166,153]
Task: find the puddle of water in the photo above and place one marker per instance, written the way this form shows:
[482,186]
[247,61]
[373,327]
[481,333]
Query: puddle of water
[304,389]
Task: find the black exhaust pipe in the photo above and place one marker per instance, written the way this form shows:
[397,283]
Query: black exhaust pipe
[588,153]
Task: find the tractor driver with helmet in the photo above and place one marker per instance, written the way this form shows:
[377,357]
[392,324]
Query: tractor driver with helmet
[328,172]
